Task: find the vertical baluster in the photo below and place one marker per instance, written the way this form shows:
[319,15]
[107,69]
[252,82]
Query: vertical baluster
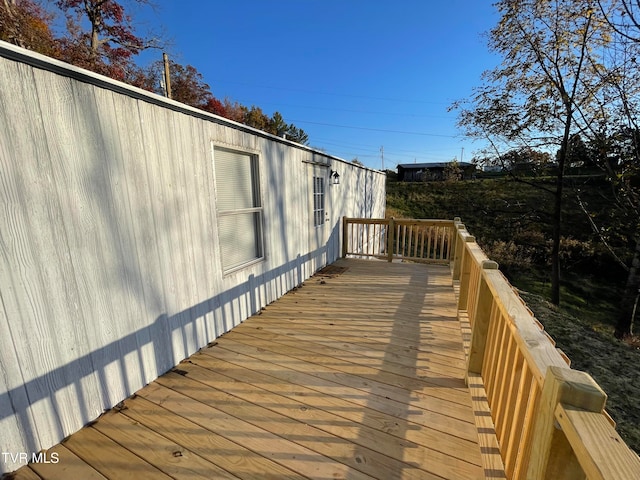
[390,239]
[488,364]
[352,238]
[524,450]
[513,442]
[495,356]
[436,242]
[504,405]
[448,244]
[503,337]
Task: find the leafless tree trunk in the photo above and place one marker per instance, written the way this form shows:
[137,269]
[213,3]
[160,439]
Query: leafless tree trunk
[629,301]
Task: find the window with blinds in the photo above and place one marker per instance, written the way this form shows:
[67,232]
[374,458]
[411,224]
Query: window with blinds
[318,201]
[239,208]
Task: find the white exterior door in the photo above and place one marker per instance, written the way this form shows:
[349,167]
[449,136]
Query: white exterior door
[319,211]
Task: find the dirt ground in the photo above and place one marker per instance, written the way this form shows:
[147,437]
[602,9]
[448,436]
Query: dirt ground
[614,364]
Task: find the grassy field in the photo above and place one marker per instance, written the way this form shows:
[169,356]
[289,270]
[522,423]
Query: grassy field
[510,221]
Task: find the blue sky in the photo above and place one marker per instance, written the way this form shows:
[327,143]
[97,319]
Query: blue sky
[356,75]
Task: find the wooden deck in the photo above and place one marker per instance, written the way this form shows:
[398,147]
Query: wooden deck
[357,374]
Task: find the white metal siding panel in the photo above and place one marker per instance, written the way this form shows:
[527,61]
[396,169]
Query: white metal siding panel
[109,256]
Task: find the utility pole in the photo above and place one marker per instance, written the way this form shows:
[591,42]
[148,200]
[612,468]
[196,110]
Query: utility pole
[167,75]
[461,154]
[382,155]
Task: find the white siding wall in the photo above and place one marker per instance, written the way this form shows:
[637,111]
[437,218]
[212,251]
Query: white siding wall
[110,271]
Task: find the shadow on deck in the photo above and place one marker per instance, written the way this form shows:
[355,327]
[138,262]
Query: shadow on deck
[357,374]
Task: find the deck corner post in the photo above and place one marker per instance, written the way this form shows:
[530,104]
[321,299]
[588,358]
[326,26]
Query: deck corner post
[481,320]
[454,246]
[345,236]
[390,239]
[458,251]
[465,274]
[551,455]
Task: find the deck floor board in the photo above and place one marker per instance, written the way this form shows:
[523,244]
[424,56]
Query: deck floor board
[358,374]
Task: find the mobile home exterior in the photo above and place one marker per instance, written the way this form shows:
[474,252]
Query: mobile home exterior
[135,230]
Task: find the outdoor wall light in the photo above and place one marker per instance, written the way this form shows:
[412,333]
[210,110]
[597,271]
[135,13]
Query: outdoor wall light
[335,178]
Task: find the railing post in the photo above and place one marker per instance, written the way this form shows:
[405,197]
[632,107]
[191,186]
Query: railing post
[480,322]
[454,243]
[551,455]
[390,234]
[345,237]
[465,273]
[458,251]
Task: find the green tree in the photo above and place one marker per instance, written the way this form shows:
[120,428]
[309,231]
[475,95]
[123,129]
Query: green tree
[544,90]
[452,171]
[277,125]
[298,135]
[579,153]
[522,161]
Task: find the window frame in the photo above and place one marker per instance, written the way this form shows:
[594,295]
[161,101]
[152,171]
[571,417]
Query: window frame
[257,210]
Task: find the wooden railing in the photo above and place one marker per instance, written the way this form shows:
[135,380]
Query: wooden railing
[416,240]
[549,419]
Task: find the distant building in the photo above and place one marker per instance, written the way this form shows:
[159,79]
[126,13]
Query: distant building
[423,172]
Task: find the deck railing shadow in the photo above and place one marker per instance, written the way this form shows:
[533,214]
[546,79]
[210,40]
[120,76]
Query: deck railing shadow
[159,336]
[549,420]
[406,308]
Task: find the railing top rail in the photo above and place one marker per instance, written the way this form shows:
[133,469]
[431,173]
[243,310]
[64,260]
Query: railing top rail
[474,250]
[365,221]
[612,460]
[401,221]
[425,221]
[537,347]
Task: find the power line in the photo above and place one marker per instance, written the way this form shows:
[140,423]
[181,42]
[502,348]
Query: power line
[317,92]
[376,129]
[368,112]
[374,149]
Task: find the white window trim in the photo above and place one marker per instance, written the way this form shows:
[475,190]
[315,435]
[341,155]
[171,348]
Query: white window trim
[259,209]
